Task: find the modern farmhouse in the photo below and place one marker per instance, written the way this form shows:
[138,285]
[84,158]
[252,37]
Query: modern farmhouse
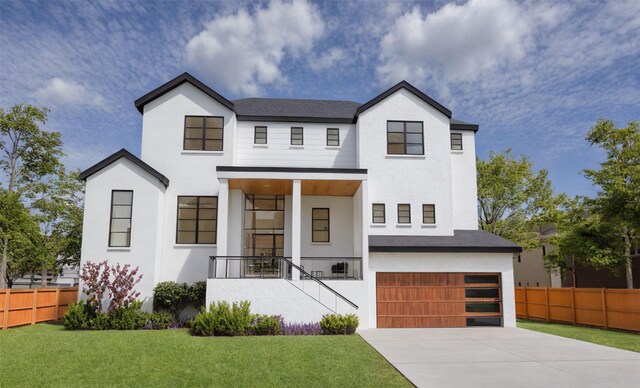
[305,207]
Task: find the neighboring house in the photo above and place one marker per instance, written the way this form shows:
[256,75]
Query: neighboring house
[68,277]
[528,267]
[305,207]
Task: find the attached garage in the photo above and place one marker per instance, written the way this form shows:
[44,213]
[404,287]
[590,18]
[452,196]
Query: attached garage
[427,299]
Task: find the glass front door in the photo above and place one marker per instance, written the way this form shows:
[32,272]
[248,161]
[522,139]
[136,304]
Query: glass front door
[263,234]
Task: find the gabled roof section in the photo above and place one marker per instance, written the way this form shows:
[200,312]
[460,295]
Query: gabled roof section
[459,125]
[295,110]
[403,85]
[124,154]
[174,83]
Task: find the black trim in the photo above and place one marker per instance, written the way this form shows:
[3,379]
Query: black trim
[434,213]
[403,84]
[457,125]
[203,139]
[291,169]
[398,213]
[445,249]
[123,154]
[130,218]
[197,219]
[174,83]
[456,137]
[255,132]
[296,119]
[334,134]
[373,213]
[405,133]
[328,219]
[301,136]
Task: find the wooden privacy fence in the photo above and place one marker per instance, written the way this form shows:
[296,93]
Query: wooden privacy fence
[26,307]
[601,307]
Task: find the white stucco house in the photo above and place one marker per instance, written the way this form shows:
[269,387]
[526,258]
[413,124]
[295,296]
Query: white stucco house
[305,207]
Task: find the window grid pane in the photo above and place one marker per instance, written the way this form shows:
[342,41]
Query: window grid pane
[333,136]
[120,222]
[320,225]
[196,220]
[297,136]
[203,133]
[456,141]
[404,213]
[405,138]
[429,214]
[378,213]
[260,135]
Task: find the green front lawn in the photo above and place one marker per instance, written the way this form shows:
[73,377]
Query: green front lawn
[615,339]
[49,355]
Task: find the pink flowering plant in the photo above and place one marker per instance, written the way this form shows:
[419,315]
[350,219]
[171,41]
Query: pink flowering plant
[116,282]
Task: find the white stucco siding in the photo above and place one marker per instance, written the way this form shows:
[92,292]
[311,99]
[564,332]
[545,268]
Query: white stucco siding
[447,262]
[279,152]
[148,197]
[465,191]
[340,225]
[411,179]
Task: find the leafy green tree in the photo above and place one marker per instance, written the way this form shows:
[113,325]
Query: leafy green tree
[618,198]
[512,199]
[27,154]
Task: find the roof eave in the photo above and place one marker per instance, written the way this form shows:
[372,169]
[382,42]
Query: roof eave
[295,119]
[123,153]
[425,249]
[464,127]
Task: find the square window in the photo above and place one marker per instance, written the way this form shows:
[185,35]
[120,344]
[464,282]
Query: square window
[203,133]
[196,220]
[405,138]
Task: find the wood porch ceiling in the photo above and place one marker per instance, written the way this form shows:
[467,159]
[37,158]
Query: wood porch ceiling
[345,188]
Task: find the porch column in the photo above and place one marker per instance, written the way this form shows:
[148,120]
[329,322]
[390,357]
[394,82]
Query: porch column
[223,225]
[296,220]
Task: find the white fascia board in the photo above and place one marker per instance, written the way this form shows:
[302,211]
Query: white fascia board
[290,175]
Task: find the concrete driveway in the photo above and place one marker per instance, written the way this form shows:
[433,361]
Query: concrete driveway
[502,357]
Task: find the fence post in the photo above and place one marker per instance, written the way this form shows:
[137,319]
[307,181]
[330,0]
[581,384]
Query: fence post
[35,307]
[56,315]
[5,320]
[526,314]
[573,305]
[546,295]
[604,308]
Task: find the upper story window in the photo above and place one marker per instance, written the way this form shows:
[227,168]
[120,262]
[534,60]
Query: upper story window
[120,222]
[378,215]
[197,220]
[429,214]
[260,135]
[297,136]
[404,213]
[203,133]
[333,136]
[320,225]
[405,138]
[456,141]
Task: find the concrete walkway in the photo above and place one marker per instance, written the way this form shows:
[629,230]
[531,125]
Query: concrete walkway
[502,357]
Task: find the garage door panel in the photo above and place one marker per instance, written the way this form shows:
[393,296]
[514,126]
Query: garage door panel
[437,299]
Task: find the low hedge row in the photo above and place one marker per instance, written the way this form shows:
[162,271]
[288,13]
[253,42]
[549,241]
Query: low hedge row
[80,316]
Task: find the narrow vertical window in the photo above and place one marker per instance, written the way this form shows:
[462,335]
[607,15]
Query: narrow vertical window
[120,222]
[404,213]
[203,133]
[333,137]
[197,220]
[429,214]
[456,141]
[297,136]
[320,225]
[260,135]
[378,213]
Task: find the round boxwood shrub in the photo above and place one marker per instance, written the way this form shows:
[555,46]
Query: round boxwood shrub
[78,316]
[333,324]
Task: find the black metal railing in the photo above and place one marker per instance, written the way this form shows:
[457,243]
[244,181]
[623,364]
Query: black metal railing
[333,268]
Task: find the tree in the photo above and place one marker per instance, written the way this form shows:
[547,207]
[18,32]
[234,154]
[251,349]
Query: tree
[27,155]
[512,199]
[19,227]
[618,198]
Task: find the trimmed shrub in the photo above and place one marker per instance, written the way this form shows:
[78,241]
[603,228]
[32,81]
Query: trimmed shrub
[333,324]
[312,328]
[198,293]
[159,320]
[223,320]
[267,325]
[101,322]
[171,297]
[128,317]
[78,316]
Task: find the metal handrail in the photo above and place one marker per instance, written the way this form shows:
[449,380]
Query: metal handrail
[308,275]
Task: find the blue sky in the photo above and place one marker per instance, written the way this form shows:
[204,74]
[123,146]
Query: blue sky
[535,75]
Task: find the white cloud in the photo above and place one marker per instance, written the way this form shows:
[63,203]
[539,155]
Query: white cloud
[244,51]
[457,42]
[328,59]
[58,91]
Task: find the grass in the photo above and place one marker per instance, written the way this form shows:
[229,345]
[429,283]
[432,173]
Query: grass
[49,355]
[615,339]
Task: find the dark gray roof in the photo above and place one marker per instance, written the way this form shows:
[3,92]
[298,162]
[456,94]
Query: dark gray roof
[463,126]
[128,155]
[461,241]
[280,109]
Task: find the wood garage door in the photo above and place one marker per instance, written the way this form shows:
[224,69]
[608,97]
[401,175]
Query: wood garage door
[429,299]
